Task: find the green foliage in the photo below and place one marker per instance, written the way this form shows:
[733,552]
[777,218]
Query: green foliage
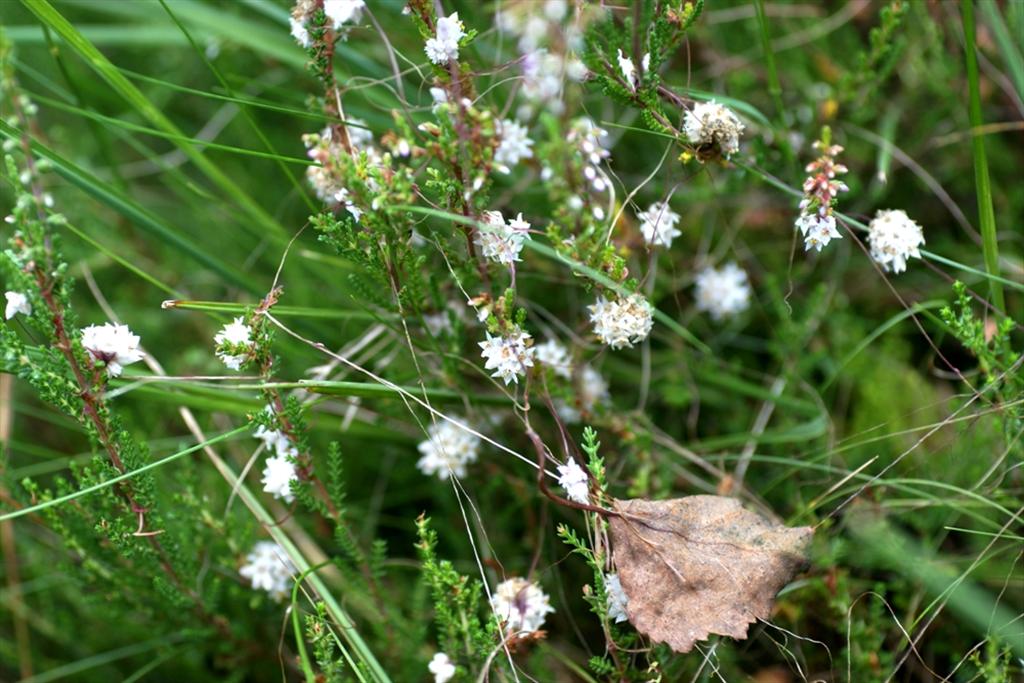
[167,145]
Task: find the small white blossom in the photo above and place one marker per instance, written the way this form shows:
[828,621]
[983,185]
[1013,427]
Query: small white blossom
[520,605]
[447,450]
[278,473]
[573,479]
[818,230]
[555,356]
[628,70]
[442,668]
[723,292]
[543,81]
[113,344]
[440,98]
[894,237]
[515,145]
[623,321]
[342,12]
[445,43]
[17,303]
[235,333]
[710,123]
[268,568]
[275,441]
[617,599]
[591,389]
[299,32]
[508,356]
[555,10]
[500,241]
[658,224]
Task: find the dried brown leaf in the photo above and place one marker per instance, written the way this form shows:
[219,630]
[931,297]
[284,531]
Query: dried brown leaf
[699,565]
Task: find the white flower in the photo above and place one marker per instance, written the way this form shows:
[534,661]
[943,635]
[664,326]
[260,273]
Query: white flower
[623,321]
[299,32]
[514,146]
[268,568]
[556,357]
[440,97]
[235,333]
[818,230]
[520,605]
[658,224]
[447,450]
[555,9]
[17,303]
[442,668]
[275,441]
[894,237]
[628,70]
[617,599]
[445,43]
[509,355]
[591,389]
[573,479]
[341,12]
[500,241]
[723,292]
[710,123]
[113,344]
[278,473]
[543,79]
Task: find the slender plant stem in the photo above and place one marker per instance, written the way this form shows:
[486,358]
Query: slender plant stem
[774,88]
[986,214]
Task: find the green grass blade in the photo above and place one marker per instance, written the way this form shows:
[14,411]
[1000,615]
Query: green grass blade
[109,73]
[134,212]
[121,477]
[986,212]
[1010,48]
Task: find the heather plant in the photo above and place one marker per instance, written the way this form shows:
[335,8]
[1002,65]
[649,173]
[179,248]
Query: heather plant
[532,340]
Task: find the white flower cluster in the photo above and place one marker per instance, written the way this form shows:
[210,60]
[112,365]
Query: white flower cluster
[502,241]
[338,12]
[543,42]
[623,321]
[16,303]
[894,237]
[442,667]
[658,224]
[324,148]
[544,76]
[269,568]
[279,470]
[589,138]
[508,355]
[723,292]
[816,222]
[710,123]
[444,46]
[617,599]
[230,339]
[521,606]
[447,450]
[113,344]
[817,229]
[591,389]
[628,68]
[514,146]
[573,479]
[555,356]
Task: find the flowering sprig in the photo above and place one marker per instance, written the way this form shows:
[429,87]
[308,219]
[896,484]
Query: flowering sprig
[817,222]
